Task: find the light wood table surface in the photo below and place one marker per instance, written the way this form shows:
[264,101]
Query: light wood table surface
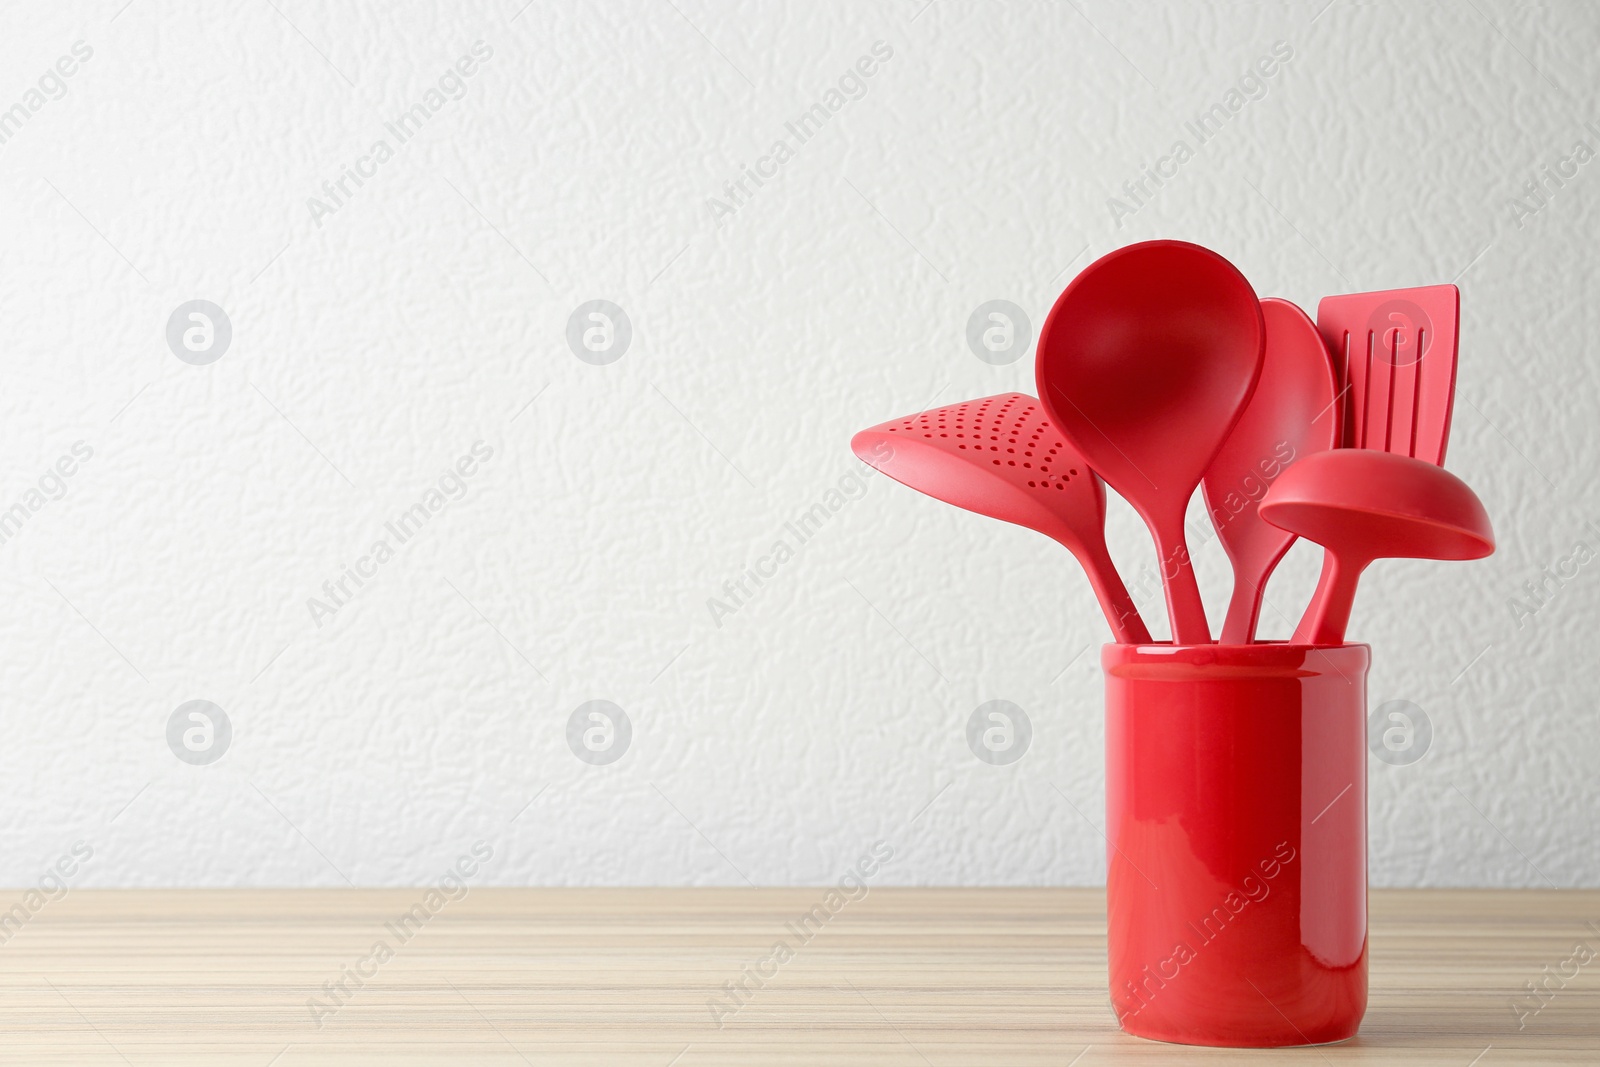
[915,977]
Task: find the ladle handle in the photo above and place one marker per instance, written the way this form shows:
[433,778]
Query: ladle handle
[1184,606]
[1328,614]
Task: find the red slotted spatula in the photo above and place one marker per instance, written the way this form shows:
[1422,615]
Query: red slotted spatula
[1000,456]
[1394,352]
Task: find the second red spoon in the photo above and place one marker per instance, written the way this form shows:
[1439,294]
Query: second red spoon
[1292,413]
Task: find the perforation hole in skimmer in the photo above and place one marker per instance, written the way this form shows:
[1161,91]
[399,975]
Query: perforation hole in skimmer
[1012,430]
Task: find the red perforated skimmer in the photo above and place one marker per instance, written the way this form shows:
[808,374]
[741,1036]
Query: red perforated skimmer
[999,456]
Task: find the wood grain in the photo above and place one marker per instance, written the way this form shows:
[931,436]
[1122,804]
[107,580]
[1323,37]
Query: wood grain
[919,977]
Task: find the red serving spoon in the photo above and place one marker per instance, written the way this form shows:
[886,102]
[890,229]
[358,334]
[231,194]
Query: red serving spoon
[1144,364]
[1293,412]
[1361,505]
[1395,352]
[999,456]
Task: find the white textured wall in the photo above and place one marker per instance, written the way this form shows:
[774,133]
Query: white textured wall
[375,343]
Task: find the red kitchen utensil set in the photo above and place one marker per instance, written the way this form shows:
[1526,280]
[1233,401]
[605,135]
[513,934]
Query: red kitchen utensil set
[1159,370]
[1235,771]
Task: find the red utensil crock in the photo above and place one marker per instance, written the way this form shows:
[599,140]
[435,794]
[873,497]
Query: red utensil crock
[1236,884]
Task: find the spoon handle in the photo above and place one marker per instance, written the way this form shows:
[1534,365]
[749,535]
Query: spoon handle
[1244,611]
[1328,614]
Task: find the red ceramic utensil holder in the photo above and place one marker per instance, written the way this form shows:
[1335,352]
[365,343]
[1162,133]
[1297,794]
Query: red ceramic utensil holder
[1236,885]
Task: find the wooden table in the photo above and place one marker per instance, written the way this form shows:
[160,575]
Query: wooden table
[912,977]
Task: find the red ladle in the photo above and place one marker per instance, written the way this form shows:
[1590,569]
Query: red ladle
[1292,413]
[999,456]
[1144,364]
[1361,505]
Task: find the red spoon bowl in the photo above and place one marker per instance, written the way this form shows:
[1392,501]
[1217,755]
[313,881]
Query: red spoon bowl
[1293,412]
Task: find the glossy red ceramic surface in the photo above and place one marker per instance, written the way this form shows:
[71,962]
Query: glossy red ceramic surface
[1236,823]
